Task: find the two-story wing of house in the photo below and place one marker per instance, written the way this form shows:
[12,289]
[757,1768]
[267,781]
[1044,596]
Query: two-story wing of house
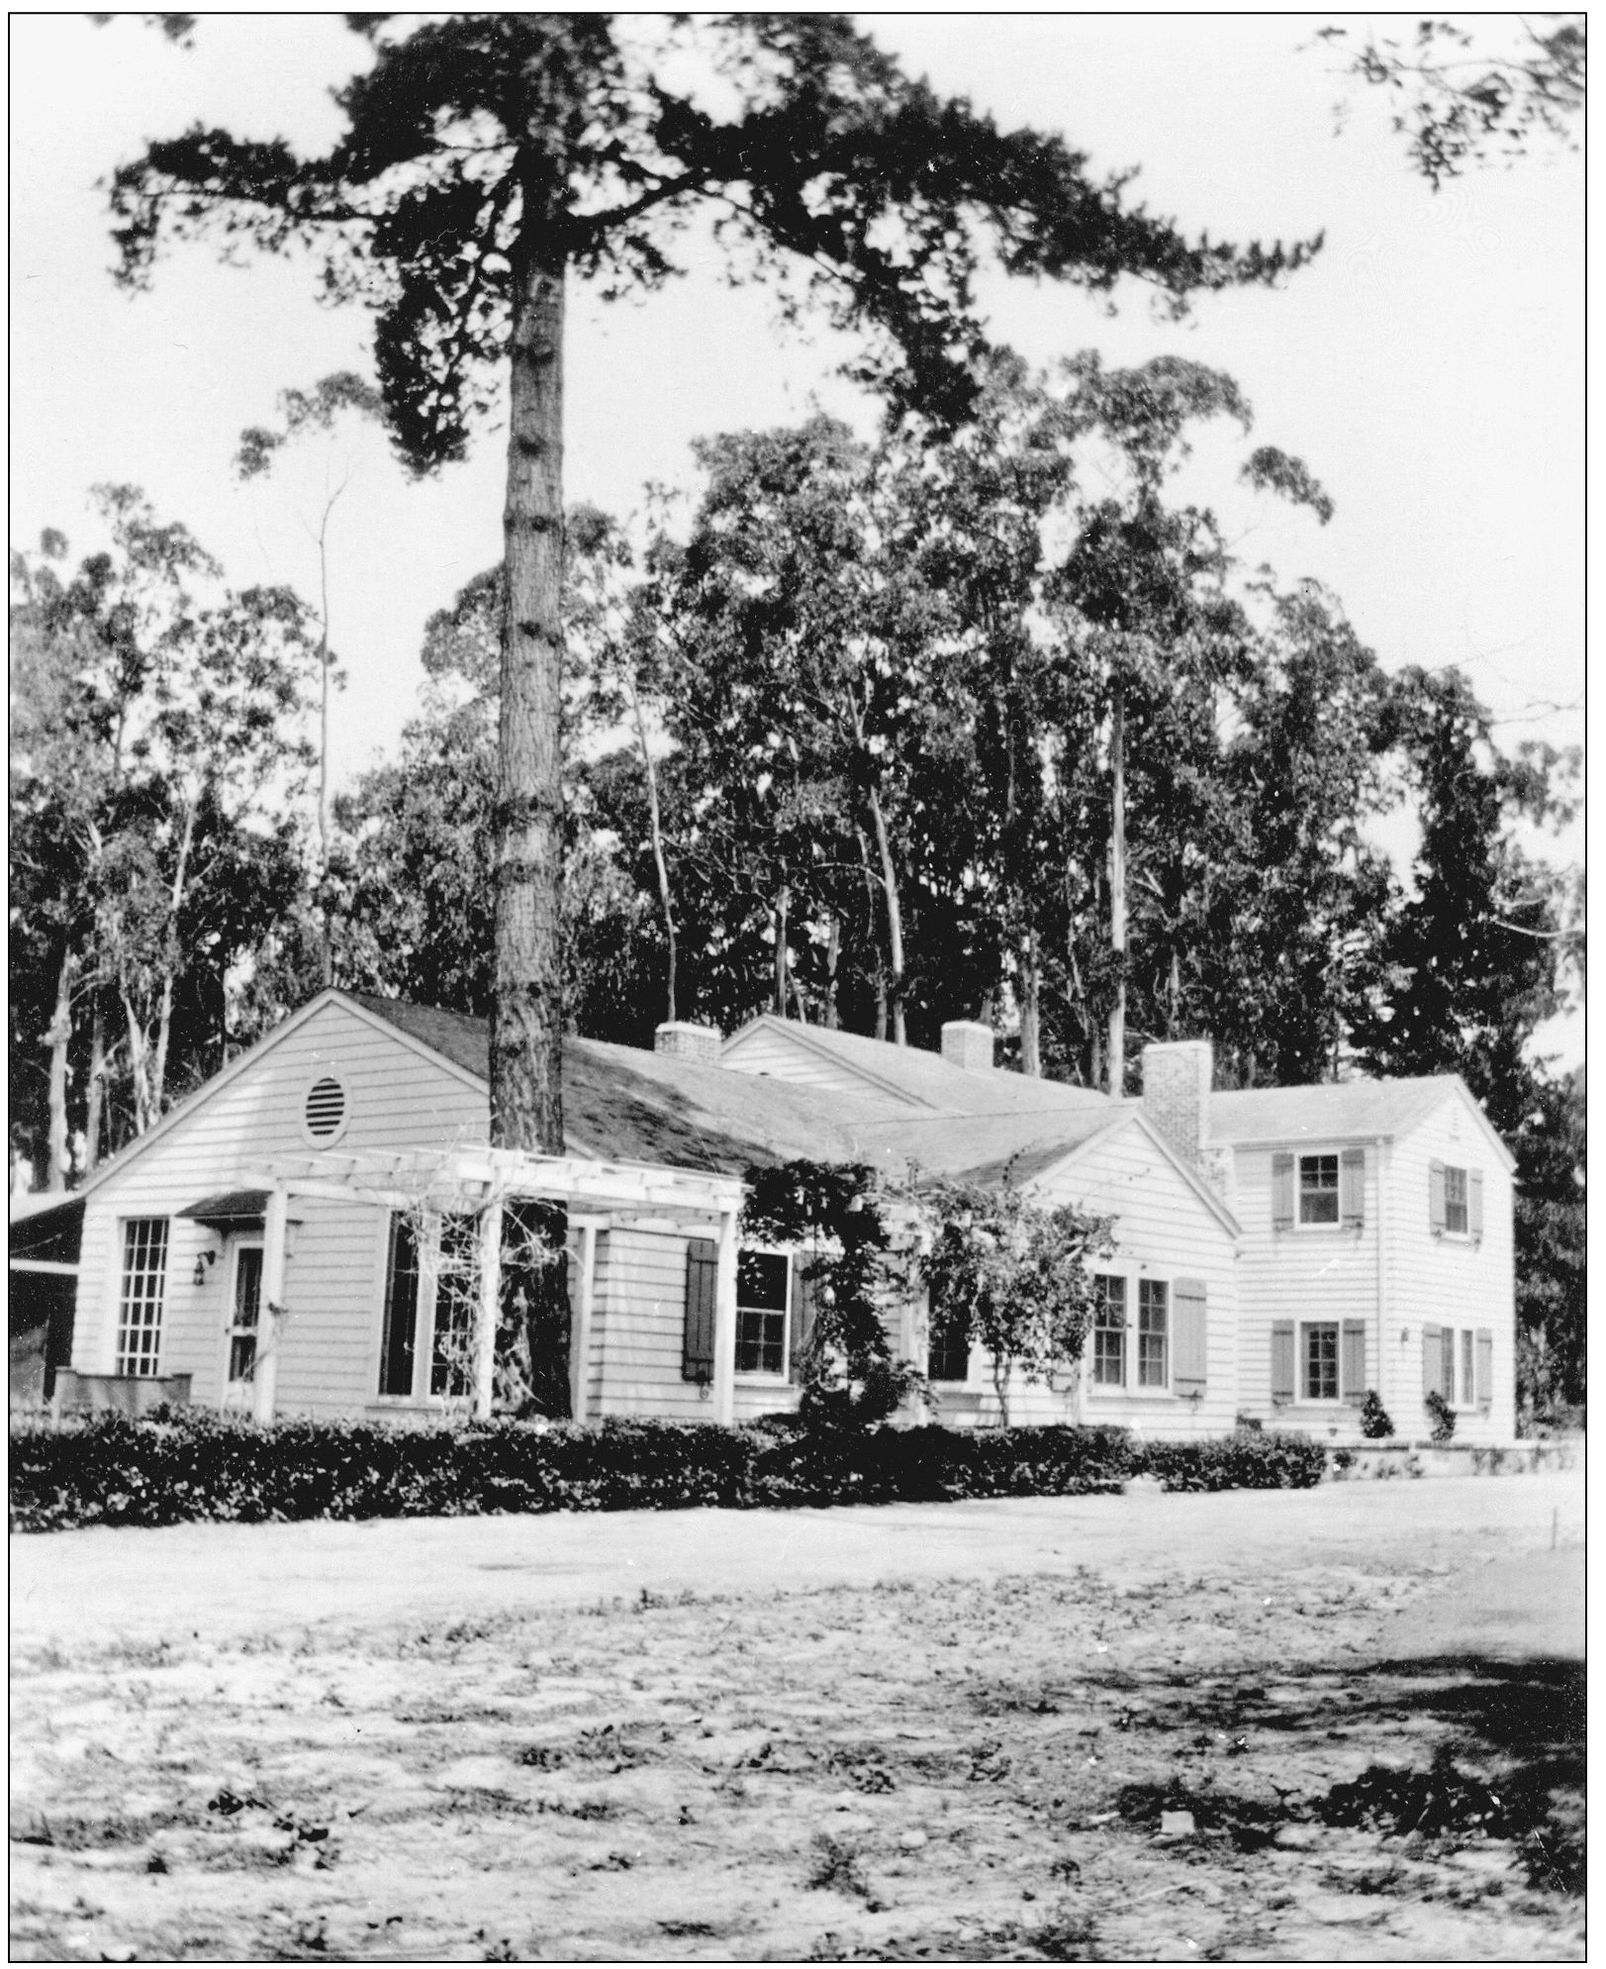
[1377,1252]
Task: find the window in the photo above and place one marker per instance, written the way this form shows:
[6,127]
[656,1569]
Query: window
[1109,1330]
[1468,1397]
[1154,1338]
[1455,1200]
[1318,1189]
[139,1303]
[763,1293]
[948,1356]
[451,1370]
[1320,1376]
[401,1309]
[247,1313]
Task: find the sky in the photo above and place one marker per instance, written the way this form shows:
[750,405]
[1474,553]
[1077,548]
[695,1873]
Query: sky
[1428,365]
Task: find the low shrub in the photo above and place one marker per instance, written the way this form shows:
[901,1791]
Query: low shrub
[1441,1416]
[1376,1422]
[190,1465]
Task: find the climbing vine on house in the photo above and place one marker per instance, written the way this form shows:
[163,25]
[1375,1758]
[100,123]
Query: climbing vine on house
[837,1219]
[1011,1275]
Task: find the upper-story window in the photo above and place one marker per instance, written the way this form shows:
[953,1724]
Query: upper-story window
[1318,1189]
[1455,1200]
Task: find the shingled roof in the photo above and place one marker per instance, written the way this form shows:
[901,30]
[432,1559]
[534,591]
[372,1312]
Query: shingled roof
[1341,1111]
[624,1103]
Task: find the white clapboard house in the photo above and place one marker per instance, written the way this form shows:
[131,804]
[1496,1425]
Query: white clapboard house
[275,1242]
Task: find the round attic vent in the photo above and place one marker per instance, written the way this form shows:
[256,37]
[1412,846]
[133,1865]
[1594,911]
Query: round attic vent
[324,1114]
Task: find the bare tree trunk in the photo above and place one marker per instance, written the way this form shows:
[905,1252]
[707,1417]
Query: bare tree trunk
[1001,1388]
[655,827]
[326,942]
[58,1037]
[833,953]
[527,998]
[1031,1044]
[1117,1048]
[889,880]
[96,1105]
[782,903]
[170,958]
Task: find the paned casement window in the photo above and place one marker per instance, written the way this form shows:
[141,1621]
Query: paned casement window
[773,1310]
[1154,1334]
[431,1299]
[1148,1334]
[948,1353]
[1318,1361]
[1458,1363]
[1320,1189]
[142,1289]
[1109,1330]
[763,1306]
[1455,1200]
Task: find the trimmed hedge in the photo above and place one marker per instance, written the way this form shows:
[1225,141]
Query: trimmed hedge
[189,1465]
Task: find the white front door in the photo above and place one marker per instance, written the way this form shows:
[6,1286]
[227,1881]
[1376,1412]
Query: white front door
[245,1317]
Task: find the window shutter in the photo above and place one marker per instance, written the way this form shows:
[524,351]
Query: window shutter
[802,1321]
[1352,1362]
[1475,1202]
[1485,1365]
[1352,1186]
[1432,1361]
[1282,1360]
[1436,1197]
[1189,1335]
[1447,1364]
[1282,1191]
[697,1339]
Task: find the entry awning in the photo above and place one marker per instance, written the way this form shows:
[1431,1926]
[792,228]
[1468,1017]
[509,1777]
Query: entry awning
[229,1207]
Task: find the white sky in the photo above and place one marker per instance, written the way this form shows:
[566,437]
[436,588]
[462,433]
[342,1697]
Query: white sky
[1428,366]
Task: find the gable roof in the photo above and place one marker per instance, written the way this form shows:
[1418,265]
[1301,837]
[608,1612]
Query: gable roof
[1339,1111]
[905,1077]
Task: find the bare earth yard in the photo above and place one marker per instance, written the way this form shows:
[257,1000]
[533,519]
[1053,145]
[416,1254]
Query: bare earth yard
[1339,1724]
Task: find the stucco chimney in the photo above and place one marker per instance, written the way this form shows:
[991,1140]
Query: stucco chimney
[1176,1094]
[968,1043]
[682,1040]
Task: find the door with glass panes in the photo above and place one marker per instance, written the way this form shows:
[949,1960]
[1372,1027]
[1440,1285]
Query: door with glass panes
[244,1326]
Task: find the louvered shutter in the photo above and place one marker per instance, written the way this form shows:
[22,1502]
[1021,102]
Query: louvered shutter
[1189,1336]
[1352,1362]
[1447,1364]
[1352,1186]
[1282,1361]
[1436,1197]
[802,1320]
[1282,1191]
[1475,1202]
[1485,1365]
[697,1337]
[1432,1361]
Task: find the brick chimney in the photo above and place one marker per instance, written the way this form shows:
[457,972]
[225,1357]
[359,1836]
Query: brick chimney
[682,1040]
[968,1043]
[1176,1094]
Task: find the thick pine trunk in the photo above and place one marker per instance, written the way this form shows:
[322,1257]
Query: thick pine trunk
[889,881]
[666,898]
[93,1119]
[527,1002]
[1117,1047]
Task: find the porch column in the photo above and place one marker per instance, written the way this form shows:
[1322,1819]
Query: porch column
[270,1322]
[489,1310]
[724,1391]
[580,1330]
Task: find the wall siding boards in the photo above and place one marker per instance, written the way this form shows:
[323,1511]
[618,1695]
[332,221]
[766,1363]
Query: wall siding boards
[1449,1281]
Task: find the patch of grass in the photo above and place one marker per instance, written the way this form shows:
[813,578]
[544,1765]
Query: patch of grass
[836,1867]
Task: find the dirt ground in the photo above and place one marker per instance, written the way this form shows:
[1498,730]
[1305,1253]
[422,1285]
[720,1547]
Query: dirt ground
[1339,1725]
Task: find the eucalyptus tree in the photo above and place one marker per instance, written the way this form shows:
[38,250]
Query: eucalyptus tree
[487,161]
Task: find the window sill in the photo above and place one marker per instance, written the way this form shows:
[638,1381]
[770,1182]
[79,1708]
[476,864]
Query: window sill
[1105,1393]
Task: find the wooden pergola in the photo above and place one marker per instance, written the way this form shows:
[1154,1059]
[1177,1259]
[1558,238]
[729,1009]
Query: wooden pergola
[481,1182]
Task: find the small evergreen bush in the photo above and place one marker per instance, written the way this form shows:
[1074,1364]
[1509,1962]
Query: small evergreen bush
[1376,1422]
[1441,1414]
[191,1465]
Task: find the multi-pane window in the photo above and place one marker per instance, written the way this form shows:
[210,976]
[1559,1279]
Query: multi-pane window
[763,1290]
[1455,1200]
[1109,1330]
[139,1304]
[451,1369]
[247,1312]
[1153,1334]
[948,1356]
[1318,1189]
[1321,1362]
